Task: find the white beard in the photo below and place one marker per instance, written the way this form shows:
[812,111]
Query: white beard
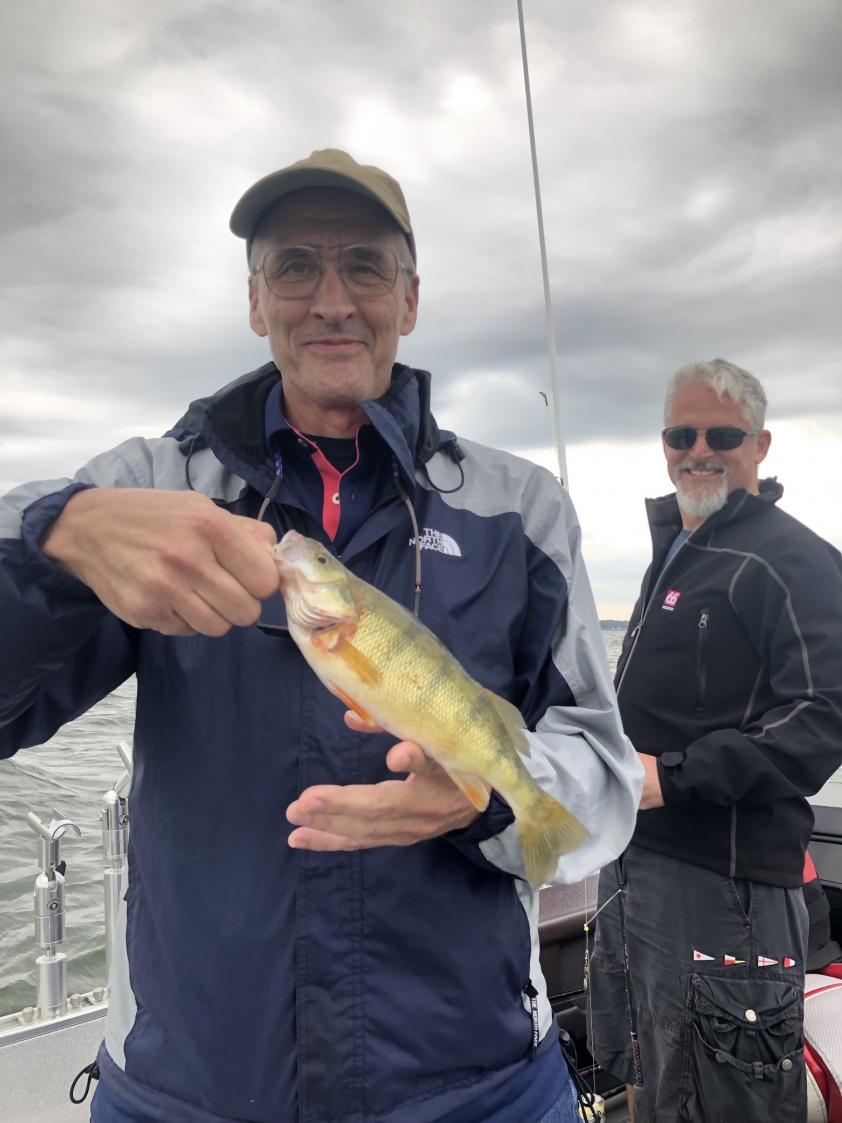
[700,505]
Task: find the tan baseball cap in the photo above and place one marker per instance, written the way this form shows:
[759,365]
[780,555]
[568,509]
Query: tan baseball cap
[329,167]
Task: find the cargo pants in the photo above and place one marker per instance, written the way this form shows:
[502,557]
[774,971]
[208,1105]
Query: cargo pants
[716,996]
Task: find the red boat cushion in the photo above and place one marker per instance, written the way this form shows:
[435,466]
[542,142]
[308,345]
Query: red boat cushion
[823,1039]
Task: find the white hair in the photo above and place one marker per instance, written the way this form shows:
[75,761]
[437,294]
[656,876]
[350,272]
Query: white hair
[725,378]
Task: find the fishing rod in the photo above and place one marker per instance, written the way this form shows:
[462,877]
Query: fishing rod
[551,343]
[587,1095]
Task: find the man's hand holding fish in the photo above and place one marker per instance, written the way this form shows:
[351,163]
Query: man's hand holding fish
[392,813]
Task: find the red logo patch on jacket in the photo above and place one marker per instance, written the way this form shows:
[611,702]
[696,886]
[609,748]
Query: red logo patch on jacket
[671,600]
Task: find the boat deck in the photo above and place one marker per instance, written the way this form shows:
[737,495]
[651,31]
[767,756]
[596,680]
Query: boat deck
[37,1069]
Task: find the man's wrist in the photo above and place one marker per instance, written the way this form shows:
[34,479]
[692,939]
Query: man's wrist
[60,540]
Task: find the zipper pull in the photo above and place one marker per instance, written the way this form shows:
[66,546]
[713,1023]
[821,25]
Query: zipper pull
[634,631]
[703,619]
[532,994]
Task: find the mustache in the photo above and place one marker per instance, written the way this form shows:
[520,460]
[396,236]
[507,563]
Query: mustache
[711,465]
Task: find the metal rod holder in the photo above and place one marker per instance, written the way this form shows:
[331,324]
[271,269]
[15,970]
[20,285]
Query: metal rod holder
[49,913]
[115,844]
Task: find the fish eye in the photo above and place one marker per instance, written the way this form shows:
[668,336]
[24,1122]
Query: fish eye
[321,559]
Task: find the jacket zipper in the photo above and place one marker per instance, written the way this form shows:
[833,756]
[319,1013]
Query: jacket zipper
[659,583]
[532,994]
[701,662]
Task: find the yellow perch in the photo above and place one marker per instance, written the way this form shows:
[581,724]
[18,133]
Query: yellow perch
[384,664]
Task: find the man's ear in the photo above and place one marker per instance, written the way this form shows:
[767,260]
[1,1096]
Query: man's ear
[764,439]
[410,313]
[258,325]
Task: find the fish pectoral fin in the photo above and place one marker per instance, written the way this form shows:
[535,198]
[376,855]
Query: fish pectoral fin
[328,638]
[472,787]
[512,718]
[352,705]
[358,663]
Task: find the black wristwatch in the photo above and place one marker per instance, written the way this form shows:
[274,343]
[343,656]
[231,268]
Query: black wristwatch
[671,760]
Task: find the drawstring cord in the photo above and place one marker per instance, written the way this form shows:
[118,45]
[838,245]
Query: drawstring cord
[416,600]
[272,629]
[92,1073]
[191,449]
[275,488]
[456,454]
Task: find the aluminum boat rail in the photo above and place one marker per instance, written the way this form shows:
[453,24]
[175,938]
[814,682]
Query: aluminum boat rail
[43,1046]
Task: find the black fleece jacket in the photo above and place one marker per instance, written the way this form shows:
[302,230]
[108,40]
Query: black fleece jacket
[731,674]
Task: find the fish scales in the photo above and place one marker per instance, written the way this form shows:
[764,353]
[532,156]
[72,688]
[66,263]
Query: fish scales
[444,706]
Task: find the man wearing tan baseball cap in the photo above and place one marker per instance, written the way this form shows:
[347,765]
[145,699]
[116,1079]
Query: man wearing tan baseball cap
[328,167]
[319,924]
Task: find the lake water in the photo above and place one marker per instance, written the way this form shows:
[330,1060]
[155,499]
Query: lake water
[71,774]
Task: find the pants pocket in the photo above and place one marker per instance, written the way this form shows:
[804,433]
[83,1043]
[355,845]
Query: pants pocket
[744,1050]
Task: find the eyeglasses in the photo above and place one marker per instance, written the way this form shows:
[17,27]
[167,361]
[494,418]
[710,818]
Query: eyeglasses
[295,272]
[719,438]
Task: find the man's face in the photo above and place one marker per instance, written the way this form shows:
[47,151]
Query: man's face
[704,477]
[334,349]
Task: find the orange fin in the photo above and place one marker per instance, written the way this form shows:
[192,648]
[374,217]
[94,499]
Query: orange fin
[328,639]
[352,705]
[471,786]
[360,664]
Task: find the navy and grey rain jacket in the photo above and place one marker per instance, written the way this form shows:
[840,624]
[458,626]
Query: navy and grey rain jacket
[255,982]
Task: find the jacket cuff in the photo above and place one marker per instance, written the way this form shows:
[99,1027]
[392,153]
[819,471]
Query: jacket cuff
[36,522]
[496,817]
[494,820]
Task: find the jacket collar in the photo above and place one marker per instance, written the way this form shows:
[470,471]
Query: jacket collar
[665,523]
[231,423]
[664,515]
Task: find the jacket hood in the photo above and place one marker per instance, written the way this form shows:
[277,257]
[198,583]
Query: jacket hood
[231,422]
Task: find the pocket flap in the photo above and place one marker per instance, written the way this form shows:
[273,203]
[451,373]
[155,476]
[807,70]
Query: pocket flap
[756,1003]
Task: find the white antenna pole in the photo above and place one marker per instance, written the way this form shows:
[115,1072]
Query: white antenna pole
[551,345]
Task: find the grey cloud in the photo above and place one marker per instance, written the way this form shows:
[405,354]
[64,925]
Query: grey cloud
[690,158]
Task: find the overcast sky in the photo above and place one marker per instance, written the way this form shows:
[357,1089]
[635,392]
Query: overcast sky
[690,157]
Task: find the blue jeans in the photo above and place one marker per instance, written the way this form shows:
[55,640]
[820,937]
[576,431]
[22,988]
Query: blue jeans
[565,1109]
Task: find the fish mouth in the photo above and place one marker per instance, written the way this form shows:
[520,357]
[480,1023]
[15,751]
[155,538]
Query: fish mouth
[290,548]
[313,605]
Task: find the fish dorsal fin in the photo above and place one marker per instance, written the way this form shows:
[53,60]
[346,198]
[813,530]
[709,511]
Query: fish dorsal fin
[472,787]
[512,719]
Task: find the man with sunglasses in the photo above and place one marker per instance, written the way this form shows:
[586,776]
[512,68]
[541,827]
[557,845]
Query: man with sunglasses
[730,688]
[319,926]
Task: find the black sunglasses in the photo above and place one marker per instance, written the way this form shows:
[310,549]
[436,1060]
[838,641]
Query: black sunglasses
[719,438]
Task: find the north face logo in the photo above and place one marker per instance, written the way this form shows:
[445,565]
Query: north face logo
[441,543]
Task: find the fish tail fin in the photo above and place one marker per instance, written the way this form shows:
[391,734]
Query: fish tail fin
[547,830]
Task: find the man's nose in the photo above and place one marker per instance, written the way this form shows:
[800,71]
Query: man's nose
[701,450]
[331,300]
